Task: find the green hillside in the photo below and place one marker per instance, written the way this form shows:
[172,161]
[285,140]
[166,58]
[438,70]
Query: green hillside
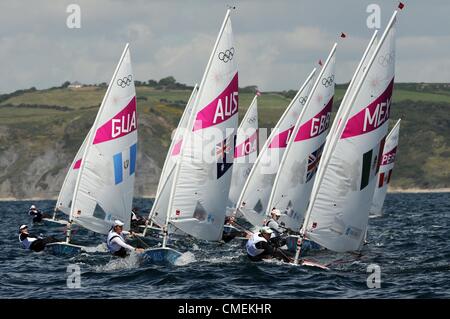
[41,130]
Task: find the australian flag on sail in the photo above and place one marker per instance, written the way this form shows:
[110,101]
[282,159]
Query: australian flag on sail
[124,162]
[224,155]
[313,163]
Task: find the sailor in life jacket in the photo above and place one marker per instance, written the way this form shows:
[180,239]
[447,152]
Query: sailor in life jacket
[279,232]
[33,243]
[259,246]
[116,240]
[35,213]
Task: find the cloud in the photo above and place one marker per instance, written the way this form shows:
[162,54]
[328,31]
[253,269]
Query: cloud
[278,42]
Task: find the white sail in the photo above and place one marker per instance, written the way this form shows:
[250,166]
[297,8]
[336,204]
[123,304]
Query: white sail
[256,191]
[337,215]
[245,152]
[386,167]
[295,176]
[177,141]
[105,184]
[202,178]
[161,204]
[64,201]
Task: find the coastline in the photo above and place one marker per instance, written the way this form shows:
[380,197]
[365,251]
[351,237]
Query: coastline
[391,190]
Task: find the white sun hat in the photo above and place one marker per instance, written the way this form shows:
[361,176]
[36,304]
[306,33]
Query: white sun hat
[118,223]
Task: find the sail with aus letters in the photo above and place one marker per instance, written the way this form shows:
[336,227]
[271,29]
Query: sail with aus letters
[105,183]
[199,193]
[338,212]
[385,173]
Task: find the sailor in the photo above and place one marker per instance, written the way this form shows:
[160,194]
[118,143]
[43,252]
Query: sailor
[259,247]
[116,241]
[279,232]
[33,243]
[35,213]
[136,220]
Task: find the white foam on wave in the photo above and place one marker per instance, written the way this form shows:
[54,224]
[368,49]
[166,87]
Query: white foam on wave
[116,263]
[185,258]
[100,248]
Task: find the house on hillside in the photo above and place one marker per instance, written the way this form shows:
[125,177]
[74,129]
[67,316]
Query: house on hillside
[75,85]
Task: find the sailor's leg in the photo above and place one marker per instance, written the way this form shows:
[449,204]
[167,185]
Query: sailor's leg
[37,245]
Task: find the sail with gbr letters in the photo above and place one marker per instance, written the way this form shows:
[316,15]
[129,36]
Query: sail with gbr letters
[385,173]
[295,176]
[337,215]
[254,198]
[245,152]
[202,178]
[105,182]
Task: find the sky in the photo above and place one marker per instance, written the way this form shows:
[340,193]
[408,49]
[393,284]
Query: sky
[278,42]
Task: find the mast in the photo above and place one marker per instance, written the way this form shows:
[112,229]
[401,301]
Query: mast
[296,128]
[190,123]
[89,142]
[333,141]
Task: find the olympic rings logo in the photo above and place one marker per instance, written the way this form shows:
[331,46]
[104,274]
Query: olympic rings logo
[227,55]
[303,99]
[125,81]
[326,82]
[251,120]
[385,60]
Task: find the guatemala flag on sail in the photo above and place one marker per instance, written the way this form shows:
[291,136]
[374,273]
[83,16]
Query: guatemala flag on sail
[124,164]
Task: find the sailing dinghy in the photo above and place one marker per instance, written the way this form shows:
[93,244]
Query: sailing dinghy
[338,211]
[385,173]
[104,185]
[254,198]
[199,186]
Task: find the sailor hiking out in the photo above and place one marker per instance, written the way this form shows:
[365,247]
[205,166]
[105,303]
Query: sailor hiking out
[31,242]
[116,241]
[260,247]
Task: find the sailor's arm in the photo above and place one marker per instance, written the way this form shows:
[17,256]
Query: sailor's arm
[121,243]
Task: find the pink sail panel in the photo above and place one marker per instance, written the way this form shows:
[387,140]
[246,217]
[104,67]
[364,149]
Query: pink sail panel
[177,148]
[221,108]
[318,124]
[389,157]
[281,140]
[123,123]
[372,116]
[247,147]
[77,164]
